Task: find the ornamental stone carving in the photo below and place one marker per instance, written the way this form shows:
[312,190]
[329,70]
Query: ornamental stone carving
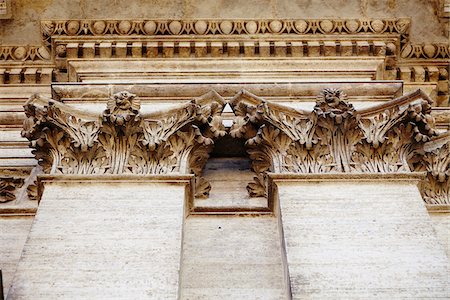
[8,187]
[334,136]
[121,140]
[396,136]
[436,160]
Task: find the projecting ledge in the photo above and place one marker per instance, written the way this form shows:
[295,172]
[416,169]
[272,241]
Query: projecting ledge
[275,179]
[175,179]
[288,177]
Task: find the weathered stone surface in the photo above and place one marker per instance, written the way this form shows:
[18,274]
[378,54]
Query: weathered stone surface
[349,237]
[441,224]
[24,28]
[13,233]
[116,238]
[231,257]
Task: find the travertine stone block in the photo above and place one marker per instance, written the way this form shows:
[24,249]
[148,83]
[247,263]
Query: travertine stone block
[72,50]
[419,74]
[110,238]
[329,48]
[442,86]
[2,76]
[232,257]
[441,224]
[405,74]
[88,50]
[362,48]
[200,49]
[433,73]
[280,49]
[390,74]
[13,234]
[30,75]
[249,49]
[350,237]
[379,48]
[15,75]
[46,75]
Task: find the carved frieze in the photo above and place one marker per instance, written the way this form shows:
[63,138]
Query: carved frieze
[221,27]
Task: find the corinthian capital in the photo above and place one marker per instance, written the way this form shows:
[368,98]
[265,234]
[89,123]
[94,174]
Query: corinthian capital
[336,137]
[119,140]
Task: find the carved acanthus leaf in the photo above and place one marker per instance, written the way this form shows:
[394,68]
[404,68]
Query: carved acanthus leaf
[8,187]
[435,192]
[245,104]
[298,125]
[336,129]
[258,188]
[268,151]
[33,191]
[202,188]
[437,157]
[158,127]
[376,123]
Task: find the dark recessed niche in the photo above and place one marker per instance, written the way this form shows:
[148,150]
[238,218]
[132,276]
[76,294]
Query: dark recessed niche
[228,146]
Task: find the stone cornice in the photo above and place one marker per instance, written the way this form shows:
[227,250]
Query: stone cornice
[186,180]
[66,41]
[205,27]
[287,30]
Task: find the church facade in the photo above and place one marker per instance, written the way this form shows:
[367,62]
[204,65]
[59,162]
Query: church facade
[224,151]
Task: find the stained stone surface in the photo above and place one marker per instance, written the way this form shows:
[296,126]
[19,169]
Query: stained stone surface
[13,233]
[347,239]
[24,27]
[228,178]
[441,223]
[103,241]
